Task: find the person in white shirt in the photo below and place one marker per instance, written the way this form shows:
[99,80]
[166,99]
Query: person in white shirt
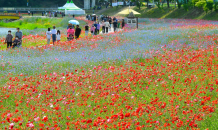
[48,34]
[103,27]
[58,36]
[107,25]
[54,36]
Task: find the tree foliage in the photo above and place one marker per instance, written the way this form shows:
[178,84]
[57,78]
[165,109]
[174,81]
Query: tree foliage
[200,4]
[38,3]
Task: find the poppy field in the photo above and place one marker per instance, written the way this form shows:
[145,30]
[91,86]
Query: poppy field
[162,76]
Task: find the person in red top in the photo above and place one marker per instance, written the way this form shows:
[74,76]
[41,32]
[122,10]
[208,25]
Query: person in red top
[70,33]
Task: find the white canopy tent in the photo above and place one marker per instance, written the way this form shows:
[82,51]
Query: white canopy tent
[71,8]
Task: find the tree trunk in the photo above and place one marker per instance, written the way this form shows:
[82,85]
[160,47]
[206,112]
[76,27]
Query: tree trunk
[147,3]
[168,3]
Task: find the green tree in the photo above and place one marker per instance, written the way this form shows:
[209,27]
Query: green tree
[200,4]
[216,6]
[168,3]
[138,3]
[208,6]
[194,2]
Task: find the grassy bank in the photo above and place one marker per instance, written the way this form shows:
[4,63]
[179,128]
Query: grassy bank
[34,23]
[165,12]
[172,12]
[38,22]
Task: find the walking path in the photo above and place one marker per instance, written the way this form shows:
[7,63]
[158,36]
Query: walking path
[112,30]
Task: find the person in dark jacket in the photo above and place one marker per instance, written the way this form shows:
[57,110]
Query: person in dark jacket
[96,25]
[123,23]
[16,42]
[19,34]
[77,32]
[110,21]
[8,39]
[115,25]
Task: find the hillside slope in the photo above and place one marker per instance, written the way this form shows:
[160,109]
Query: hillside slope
[194,13]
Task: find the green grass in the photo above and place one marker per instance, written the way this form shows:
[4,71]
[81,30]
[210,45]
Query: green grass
[112,10]
[165,12]
[32,23]
[173,12]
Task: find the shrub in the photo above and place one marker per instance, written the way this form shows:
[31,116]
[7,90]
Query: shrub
[209,4]
[205,8]
[216,6]
[179,4]
[187,6]
[194,2]
[200,4]
[158,5]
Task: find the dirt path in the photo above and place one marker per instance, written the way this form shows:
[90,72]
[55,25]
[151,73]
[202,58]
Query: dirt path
[124,8]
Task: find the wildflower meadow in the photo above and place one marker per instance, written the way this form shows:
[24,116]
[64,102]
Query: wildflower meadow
[161,76]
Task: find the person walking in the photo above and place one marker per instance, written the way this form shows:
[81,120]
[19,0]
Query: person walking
[54,34]
[48,34]
[123,23]
[77,32]
[98,27]
[73,15]
[110,21]
[87,29]
[93,29]
[70,33]
[118,24]
[95,24]
[32,13]
[19,34]
[58,36]
[115,25]
[103,27]
[8,39]
[29,13]
[107,25]
[114,19]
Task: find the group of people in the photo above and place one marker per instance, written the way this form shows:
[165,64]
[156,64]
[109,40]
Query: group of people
[105,22]
[72,32]
[50,14]
[17,42]
[55,35]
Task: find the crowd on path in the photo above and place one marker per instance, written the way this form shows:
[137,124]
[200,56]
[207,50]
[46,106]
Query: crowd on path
[104,22]
[49,14]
